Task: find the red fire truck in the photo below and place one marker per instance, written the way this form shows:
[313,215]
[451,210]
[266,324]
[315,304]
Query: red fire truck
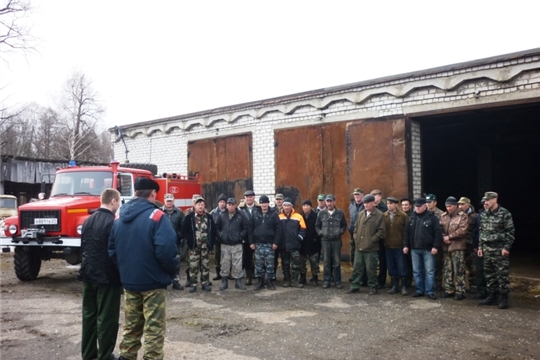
[51,228]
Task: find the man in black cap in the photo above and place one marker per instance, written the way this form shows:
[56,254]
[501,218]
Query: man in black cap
[311,246]
[496,239]
[144,236]
[221,208]
[200,233]
[247,207]
[454,226]
[331,225]
[422,237]
[369,230]
[232,229]
[264,238]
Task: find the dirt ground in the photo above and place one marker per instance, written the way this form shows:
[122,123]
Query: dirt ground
[42,320]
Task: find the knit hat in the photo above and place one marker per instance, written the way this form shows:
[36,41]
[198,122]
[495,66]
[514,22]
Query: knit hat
[222,197]
[307,202]
[264,199]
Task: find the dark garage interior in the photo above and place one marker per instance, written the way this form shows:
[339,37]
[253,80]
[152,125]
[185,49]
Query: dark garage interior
[468,153]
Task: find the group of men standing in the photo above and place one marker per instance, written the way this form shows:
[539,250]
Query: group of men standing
[142,248]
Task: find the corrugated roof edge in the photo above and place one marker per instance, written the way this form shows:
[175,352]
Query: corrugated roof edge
[331,89]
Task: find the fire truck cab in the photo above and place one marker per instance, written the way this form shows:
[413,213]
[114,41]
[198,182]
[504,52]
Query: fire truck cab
[51,228]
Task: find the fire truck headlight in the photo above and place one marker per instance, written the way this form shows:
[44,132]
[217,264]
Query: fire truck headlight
[12,229]
[79,229]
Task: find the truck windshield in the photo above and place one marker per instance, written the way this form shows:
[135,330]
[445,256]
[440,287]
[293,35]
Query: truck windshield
[81,183]
[8,203]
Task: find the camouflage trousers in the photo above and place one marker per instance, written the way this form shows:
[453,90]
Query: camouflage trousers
[313,264]
[470,264]
[290,262]
[454,267]
[199,259]
[264,261]
[496,270]
[144,314]
[231,261]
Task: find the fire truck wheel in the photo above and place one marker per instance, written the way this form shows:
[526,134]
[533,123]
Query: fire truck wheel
[150,167]
[27,263]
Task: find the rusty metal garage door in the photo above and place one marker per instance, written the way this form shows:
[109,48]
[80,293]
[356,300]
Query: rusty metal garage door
[377,157]
[336,158]
[225,165]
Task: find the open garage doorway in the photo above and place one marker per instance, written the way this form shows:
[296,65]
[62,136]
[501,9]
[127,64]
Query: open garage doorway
[498,149]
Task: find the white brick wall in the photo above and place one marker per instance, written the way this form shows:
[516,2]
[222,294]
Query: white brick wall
[164,142]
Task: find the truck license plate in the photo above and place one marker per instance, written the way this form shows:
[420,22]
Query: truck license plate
[47,221]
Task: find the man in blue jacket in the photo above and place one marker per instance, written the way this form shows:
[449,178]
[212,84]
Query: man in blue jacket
[143,245]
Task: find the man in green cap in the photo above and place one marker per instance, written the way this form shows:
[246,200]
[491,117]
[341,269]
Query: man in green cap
[496,239]
[321,203]
[466,207]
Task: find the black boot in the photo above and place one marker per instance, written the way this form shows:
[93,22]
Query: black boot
[239,285]
[260,284]
[394,287]
[176,285]
[270,285]
[249,277]
[504,302]
[302,280]
[490,300]
[224,283]
[314,280]
[218,274]
[404,290]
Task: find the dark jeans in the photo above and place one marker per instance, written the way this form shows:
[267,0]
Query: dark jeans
[100,313]
[332,260]
[383,271]
[247,257]
[397,266]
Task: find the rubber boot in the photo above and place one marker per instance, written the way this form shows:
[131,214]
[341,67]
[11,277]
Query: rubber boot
[490,300]
[303,280]
[314,280]
[504,302]
[218,274]
[286,279]
[224,283]
[260,284]
[404,290]
[394,287]
[249,277]
[239,285]
[270,285]
[295,283]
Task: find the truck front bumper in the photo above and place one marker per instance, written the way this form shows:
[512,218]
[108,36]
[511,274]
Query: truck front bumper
[55,241]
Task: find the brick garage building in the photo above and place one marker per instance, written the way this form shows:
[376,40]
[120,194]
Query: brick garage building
[454,130]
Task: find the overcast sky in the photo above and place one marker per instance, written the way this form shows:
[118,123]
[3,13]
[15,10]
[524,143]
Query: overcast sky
[154,59]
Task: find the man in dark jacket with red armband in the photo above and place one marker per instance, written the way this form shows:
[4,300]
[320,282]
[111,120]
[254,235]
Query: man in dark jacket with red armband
[143,245]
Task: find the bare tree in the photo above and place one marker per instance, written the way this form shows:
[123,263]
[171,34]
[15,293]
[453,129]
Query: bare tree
[14,31]
[81,112]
